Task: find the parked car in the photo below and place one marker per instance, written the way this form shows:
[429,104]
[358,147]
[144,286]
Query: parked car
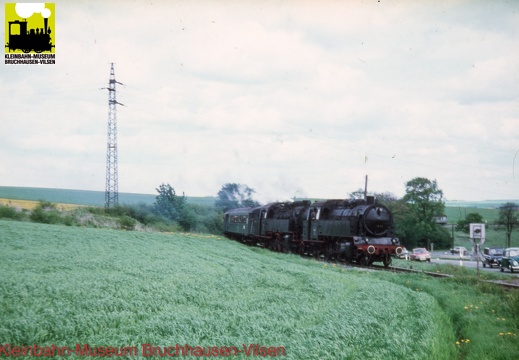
[404,254]
[492,256]
[510,259]
[459,250]
[421,254]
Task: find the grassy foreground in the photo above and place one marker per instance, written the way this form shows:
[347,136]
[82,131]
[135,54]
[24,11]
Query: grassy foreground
[110,289]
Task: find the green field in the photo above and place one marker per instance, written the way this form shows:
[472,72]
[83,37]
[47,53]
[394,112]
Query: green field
[85,197]
[64,286]
[494,236]
[455,213]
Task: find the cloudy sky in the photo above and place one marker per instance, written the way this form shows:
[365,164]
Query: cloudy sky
[293,98]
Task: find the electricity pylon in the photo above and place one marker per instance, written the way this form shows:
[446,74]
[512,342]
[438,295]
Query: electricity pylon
[112,186]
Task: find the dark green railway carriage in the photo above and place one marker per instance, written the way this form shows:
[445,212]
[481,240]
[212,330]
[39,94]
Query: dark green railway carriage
[237,222]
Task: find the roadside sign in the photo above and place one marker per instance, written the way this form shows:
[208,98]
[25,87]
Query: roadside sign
[477,231]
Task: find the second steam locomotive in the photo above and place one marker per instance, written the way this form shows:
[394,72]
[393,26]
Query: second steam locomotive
[358,230]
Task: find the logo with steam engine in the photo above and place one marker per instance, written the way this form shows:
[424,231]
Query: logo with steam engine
[30,29]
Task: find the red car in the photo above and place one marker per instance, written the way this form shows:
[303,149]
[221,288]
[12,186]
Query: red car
[421,254]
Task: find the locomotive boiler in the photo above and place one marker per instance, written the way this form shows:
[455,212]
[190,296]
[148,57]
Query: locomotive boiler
[358,230]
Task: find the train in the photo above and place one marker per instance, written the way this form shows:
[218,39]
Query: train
[351,230]
[27,40]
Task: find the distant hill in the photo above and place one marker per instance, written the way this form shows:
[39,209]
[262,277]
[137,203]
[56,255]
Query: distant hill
[97,198]
[84,197]
[485,204]
[489,209]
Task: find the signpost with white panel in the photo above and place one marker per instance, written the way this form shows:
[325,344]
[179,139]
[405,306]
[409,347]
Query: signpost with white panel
[477,237]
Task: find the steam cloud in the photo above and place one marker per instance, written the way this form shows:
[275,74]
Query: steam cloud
[26,10]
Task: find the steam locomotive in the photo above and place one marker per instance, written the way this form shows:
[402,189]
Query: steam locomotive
[27,40]
[358,230]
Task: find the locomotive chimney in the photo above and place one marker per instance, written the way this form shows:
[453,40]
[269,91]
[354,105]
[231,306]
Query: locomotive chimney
[45,22]
[366,188]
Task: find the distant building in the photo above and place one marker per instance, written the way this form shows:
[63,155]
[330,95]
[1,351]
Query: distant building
[441,220]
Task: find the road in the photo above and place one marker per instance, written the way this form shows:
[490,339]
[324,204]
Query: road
[440,257]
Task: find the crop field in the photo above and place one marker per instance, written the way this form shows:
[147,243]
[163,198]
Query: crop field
[84,197]
[62,286]
[99,292]
[493,238]
[30,204]
[459,213]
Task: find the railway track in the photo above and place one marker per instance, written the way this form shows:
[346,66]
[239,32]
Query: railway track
[501,283]
[399,269]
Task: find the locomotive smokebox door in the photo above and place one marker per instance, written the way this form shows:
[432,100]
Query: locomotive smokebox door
[377,220]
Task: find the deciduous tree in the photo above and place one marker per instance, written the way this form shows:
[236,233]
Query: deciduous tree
[426,197]
[509,217]
[168,204]
[424,201]
[234,195]
[471,218]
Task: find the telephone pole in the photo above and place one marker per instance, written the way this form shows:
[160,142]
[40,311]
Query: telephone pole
[112,186]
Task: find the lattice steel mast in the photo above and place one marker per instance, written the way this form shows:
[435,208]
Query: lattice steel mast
[112,186]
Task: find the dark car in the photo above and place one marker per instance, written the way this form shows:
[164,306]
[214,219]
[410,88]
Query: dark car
[510,259]
[492,256]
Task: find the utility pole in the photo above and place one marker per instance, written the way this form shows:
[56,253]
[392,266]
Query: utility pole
[112,186]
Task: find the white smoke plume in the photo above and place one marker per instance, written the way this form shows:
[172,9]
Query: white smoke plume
[26,10]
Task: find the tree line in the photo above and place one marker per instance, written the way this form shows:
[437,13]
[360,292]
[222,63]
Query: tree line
[415,214]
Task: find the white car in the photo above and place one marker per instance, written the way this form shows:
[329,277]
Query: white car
[404,254]
[461,250]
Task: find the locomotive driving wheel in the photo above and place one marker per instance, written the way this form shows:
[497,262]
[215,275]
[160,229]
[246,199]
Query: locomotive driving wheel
[387,260]
[286,245]
[363,259]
